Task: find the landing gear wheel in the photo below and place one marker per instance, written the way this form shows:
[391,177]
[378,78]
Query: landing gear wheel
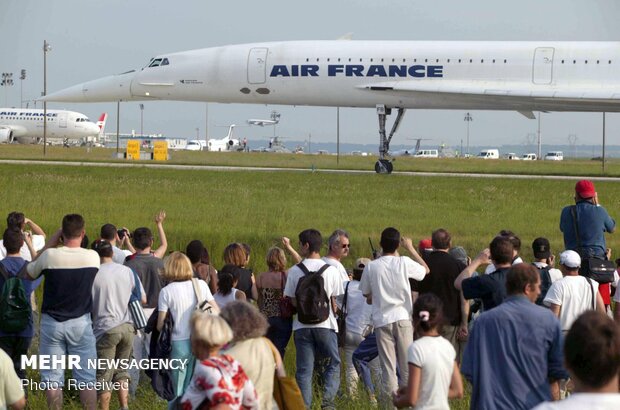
[384,166]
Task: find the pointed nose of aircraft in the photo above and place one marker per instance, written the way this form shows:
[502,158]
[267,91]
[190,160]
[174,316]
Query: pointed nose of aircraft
[106,89]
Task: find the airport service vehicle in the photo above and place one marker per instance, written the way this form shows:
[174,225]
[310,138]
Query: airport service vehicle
[427,153]
[523,76]
[195,145]
[26,126]
[554,156]
[489,154]
[512,156]
[226,144]
[529,157]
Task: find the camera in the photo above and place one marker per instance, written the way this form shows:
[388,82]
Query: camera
[122,233]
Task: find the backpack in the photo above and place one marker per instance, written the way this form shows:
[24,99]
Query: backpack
[545,283]
[313,304]
[15,310]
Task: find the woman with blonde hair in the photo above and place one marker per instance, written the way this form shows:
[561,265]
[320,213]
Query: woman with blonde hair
[178,298]
[235,254]
[271,299]
[219,380]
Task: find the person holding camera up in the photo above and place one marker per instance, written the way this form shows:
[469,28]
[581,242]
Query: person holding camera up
[118,239]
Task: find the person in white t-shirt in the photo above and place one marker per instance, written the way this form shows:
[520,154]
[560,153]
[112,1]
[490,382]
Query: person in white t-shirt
[17,220]
[592,358]
[339,246]
[318,338]
[434,375]
[385,283]
[179,299]
[572,295]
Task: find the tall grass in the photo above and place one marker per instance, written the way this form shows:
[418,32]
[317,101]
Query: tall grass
[260,208]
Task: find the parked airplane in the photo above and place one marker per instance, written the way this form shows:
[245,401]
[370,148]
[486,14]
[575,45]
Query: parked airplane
[26,125]
[518,76]
[228,143]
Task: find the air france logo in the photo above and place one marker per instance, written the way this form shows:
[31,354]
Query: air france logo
[358,70]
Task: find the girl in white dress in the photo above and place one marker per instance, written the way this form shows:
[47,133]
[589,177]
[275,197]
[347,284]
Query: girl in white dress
[434,376]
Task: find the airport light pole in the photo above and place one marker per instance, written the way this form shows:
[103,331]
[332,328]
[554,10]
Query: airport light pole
[603,143]
[46,48]
[468,118]
[7,80]
[337,135]
[141,120]
[22,77]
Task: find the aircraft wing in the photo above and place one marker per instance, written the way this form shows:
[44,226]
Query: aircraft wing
[499,89]
[262,123]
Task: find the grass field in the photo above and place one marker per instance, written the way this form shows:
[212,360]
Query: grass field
[259,208]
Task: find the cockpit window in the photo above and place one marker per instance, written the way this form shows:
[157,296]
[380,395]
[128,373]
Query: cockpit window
[155,63]
[164,61]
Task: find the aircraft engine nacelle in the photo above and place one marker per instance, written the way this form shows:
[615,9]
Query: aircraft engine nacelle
[6,135]
[231,143]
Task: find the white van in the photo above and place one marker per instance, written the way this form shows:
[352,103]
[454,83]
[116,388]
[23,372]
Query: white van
[489,154]
[554,156]
[529,157]
[427,153]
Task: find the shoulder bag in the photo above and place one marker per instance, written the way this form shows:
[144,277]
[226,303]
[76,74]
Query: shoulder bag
[598,269]
[135,305]
[286,392]
[287,310]
[342,318]
[201,304]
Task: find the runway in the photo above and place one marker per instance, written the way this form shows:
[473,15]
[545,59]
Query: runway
[308,170]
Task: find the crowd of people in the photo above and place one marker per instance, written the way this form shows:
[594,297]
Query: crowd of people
[405,329]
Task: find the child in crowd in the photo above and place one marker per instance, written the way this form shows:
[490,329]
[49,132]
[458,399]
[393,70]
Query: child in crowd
[227,280]
[219,381]
[434,376]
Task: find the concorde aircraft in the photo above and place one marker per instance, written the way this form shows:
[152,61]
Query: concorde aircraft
[26,125]
[464,75]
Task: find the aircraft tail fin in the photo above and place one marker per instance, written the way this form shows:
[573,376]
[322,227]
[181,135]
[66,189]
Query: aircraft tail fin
[101,123]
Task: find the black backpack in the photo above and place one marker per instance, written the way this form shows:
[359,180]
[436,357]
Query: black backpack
[313,304]
[545,283]
[15,310]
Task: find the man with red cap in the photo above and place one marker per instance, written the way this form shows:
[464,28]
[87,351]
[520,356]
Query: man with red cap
[592,223]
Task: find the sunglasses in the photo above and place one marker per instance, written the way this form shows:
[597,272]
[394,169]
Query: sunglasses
[346,246]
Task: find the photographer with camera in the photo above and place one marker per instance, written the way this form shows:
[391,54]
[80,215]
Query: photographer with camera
[122,237]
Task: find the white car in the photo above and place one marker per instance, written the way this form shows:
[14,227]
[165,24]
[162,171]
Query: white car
[427,153]
[528,157]
[554,156]
[512,156]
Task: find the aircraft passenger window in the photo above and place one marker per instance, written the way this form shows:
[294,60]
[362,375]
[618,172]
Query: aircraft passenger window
[609,61]
[426,60]
[471,61]
[371,60]
[448,60]
[317,60]
[393,59]
[574,61]
[165,61]
[338,60]
[349,60]
[598,61]
[493,61]
[459,60]
[437,60]
[562,61]
[586,61]
[360,60]
[307,60]
[405,60]
[328,60]
[505,61]
[381,60]
[415,60]
[482,61]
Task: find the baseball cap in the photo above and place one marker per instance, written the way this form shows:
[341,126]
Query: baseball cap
[585,188]
[541,248]
[361,263]
[570,259]
[425,244]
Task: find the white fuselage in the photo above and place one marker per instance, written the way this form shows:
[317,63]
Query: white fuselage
[521,76]
[26,125]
